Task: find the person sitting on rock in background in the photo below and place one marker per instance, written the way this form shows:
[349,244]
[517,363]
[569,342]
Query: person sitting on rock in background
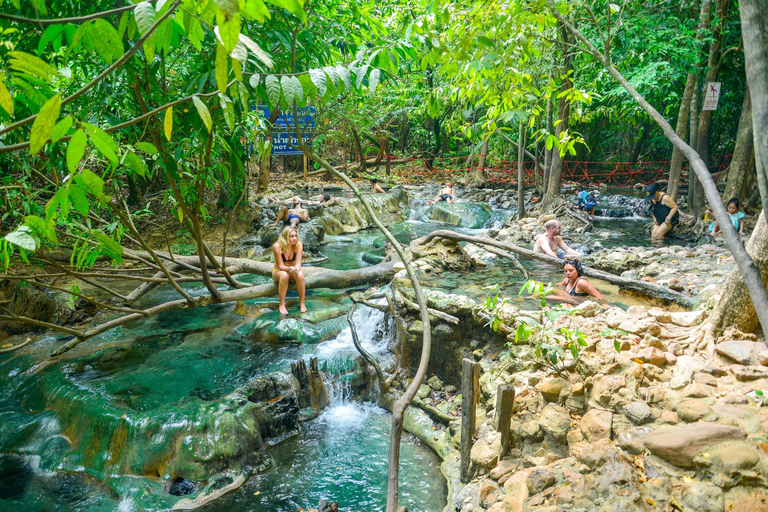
[575,284]
[321,199]
[736,216]
[287,252]
[292,216]
[663,209]
[551,242]
[375,187]
[447,194]
[586,202]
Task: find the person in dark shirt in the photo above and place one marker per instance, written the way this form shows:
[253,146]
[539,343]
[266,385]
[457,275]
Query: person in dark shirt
[663,209]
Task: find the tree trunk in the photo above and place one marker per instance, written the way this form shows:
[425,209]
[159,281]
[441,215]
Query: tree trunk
[696,207]
[536,157]
[694,124]
[521,172]
[754,27]
[478,176]
[548,152]
[735,307]
[358,148]
[742,152]
[264,160]
[682,127]
[563,115]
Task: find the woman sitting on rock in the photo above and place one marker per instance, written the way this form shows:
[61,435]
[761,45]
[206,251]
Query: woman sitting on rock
[287,251]
[576,285]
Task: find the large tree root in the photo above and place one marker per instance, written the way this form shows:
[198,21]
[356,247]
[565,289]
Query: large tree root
[650,289]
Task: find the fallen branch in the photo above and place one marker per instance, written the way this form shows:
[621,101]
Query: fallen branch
[651,289]
[366,355]
[433,312]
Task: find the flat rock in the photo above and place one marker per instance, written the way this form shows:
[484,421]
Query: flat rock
[654,356]
[685,367]
[596,424]
[551,388]
[642,326]
[747,373]
[504,467]
[485,452]
[639,413]
[687,318]
[742,351]
[555,421]
[681,443]
[539,479]
[692,410]
[701,497]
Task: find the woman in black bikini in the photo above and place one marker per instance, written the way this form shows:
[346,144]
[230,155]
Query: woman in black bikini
[575,284]
[287,251]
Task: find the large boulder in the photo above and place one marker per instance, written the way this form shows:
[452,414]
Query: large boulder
[681,443]
[350,215]
[322,321]
[462,215]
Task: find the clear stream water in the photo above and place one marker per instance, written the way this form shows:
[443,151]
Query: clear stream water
[162,364]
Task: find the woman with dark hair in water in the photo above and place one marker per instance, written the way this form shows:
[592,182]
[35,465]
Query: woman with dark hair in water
[287,251]
[575,284]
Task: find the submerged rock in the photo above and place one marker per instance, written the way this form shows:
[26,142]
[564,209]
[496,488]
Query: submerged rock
[462,215]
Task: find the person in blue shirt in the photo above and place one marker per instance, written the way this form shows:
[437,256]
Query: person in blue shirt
[586,202]
[736,218]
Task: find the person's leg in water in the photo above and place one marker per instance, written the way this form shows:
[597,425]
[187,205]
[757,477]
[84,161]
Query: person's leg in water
[281,277]
[662,230]
[301,287]
[282,215]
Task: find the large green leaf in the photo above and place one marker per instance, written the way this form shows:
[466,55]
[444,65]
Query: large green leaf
[202,110]
[108,247]
[42,228]
[6,101]
[373,80]
[147,147]
[79,199]
[287,85]
[221,68]
[229,32]
[254,81]
[295,7]
[318,78]
[93,184]
[103,142]
[145,18]
[135,164]
[168,123]
[76,149]
[105,40]
[273,90]
[44,123]
[308,86]
[61,129]
[31,65]
[256,50]
[22,237]
[298,91]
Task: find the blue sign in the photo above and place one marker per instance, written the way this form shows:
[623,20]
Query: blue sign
[284,134]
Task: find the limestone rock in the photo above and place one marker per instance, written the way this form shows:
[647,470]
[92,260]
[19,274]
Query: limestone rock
[551,388]
[685,367]
[531,431]
[688,318]
[741,351]
[504,467]
[615,317]
[642,326]
[639,413]
[555,421]
[692,410]
[747,373]
[632,440]
[485,452]
[681,443]
[763,357]
[596,424]
[594,454]
[539,479]
[605,389]
[731,458]
[653,356]
[701,497]
[588,309]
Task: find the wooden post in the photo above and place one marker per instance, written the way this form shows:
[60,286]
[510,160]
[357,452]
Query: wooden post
[470,376]
[305,169]
[505,399]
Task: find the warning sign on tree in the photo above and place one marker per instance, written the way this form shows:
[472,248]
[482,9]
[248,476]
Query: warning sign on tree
[711,96]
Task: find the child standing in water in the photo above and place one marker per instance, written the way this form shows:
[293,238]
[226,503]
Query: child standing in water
[736,218]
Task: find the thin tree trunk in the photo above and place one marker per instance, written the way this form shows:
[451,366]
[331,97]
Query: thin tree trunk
[536,157]
[265,160]
[742,152]
[694,124]
[478,176]
[563,115]
[749,270]
[682,127]
[549,128]
[754,29]
[521,172]
[358,148]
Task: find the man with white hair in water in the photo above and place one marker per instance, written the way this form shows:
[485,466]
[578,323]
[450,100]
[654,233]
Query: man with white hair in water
[551,242]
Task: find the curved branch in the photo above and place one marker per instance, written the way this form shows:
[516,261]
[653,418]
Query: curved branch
[119,62]
[63,21]
[366,355]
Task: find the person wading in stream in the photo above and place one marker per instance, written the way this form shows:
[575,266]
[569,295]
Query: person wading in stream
[375,187]
[576,285]
[287,251]
[663,209]
[551,242]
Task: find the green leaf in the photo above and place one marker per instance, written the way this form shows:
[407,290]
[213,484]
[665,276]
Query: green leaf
[108,246]
[298,91]
[79,200]
[256,50]
[195,31]
[6,101]
[44,123]
[61,129]
[205,115]
[168,123]
[360,75]
[103,142]
[93,184]
[254,80]
[147,147]
[135,164]
[318,78]
[229,32]
[41,227]
[344,77]
[145,18]
[229,111]
[76,149]
[614,8]
[105,40]
[221,68]
[31,65]
[295,7]
[273,90]
[287,86]
[40,6]
[308,86]
[22,238]
[373,81]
